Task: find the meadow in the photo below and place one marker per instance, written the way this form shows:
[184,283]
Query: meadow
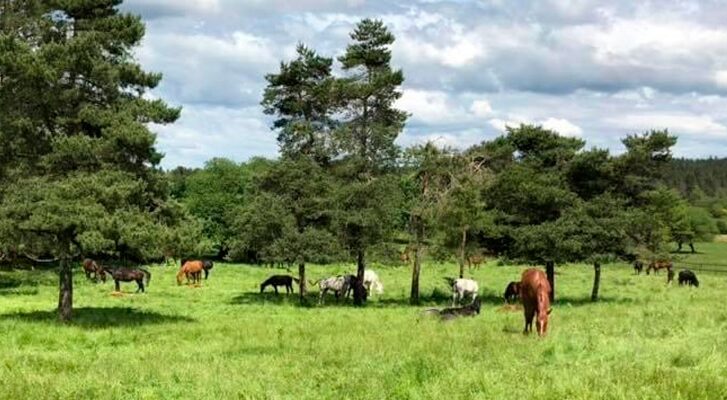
[643,340]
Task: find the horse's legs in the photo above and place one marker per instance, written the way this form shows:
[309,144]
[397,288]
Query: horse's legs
[118,288]
[455,298]
[140,285]
[276,289]
[529,315]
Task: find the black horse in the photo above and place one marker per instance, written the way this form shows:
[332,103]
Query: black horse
[687,277]
[512,292]
[130,275]
[638,267]
[279,280]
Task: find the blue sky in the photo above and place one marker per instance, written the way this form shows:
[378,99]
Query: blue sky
[596,70]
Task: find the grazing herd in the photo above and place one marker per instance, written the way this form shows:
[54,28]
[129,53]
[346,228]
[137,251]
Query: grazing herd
[533,289]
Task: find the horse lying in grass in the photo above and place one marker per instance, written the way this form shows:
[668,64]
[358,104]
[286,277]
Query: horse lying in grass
[93,271]
[129,275]
[279,280]
[535,295]
[470,310]
[190,269]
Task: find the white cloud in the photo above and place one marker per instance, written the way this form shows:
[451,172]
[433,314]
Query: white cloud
[481,108]
[427,106]
[676,123]
[562,126]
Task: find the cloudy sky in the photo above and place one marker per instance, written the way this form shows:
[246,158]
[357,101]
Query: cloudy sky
[593,69]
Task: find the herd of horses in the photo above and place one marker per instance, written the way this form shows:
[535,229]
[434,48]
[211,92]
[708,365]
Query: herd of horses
[686,276]
[533,289]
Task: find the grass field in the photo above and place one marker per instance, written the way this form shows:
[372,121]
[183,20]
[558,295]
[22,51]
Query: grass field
[223,340]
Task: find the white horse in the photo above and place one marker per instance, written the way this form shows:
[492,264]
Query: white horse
[337,284]
[463,287]
[371,281]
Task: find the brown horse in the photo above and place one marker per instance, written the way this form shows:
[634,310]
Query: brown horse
[656,265]
[206,265]
[130,275]
[535,292]
[475,260]
[191,269]
[90,268]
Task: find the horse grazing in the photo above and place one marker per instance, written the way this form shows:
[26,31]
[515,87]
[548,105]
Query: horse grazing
[475,260]
[129,275]
[657,265]
[191,269]
[462,287]
[279,280]
[206,266]
[512,292]
[470,310]
[339,285]
[638,267]
[687,277]
[371,281]
[90,268]
[534,292]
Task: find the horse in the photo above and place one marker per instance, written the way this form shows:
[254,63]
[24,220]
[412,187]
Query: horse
[279,280]
[129,275]
[512,292]
[659,264]
[687,277]
[371,281]
[470,310]
[462,287]
[475,260]
[190,268]
[339,285]
[206,265]
[91,268]
[638,267]
[535,292]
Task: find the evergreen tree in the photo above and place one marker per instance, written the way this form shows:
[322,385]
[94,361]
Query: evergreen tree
[81,174]
[370,124]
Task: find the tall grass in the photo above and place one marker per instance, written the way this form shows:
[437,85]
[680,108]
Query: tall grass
[643,340]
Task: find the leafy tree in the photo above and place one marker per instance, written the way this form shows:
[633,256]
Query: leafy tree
[81,173]
[368,128]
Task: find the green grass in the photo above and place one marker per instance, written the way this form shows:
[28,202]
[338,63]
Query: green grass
[223,340]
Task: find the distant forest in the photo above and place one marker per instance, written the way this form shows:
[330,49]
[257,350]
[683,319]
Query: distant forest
[695,179]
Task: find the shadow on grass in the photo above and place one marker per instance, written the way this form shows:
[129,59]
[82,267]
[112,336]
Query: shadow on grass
[13,286]
[99,317]
[586,301]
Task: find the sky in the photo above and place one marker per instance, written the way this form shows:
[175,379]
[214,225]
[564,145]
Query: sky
[591,69]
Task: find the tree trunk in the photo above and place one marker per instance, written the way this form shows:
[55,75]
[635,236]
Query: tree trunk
[301,283]
[358,293]
[550,272]
[414,296]
[65,297]
[462,247]
[596,280]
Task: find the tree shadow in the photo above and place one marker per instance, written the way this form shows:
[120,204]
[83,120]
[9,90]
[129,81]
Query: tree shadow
[99,317]
[12,286]
[586,301]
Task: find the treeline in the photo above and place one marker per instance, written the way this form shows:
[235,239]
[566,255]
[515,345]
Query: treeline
[80,174]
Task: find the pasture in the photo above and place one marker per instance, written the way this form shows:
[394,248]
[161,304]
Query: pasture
[225,340]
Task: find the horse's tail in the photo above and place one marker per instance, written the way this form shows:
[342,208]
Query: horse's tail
[296,280]
[313,283]
[147,275]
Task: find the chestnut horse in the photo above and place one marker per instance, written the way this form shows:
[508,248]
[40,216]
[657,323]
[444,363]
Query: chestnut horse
[206,265]
[535,292]
[190,268]
[90,268]
[659,264]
